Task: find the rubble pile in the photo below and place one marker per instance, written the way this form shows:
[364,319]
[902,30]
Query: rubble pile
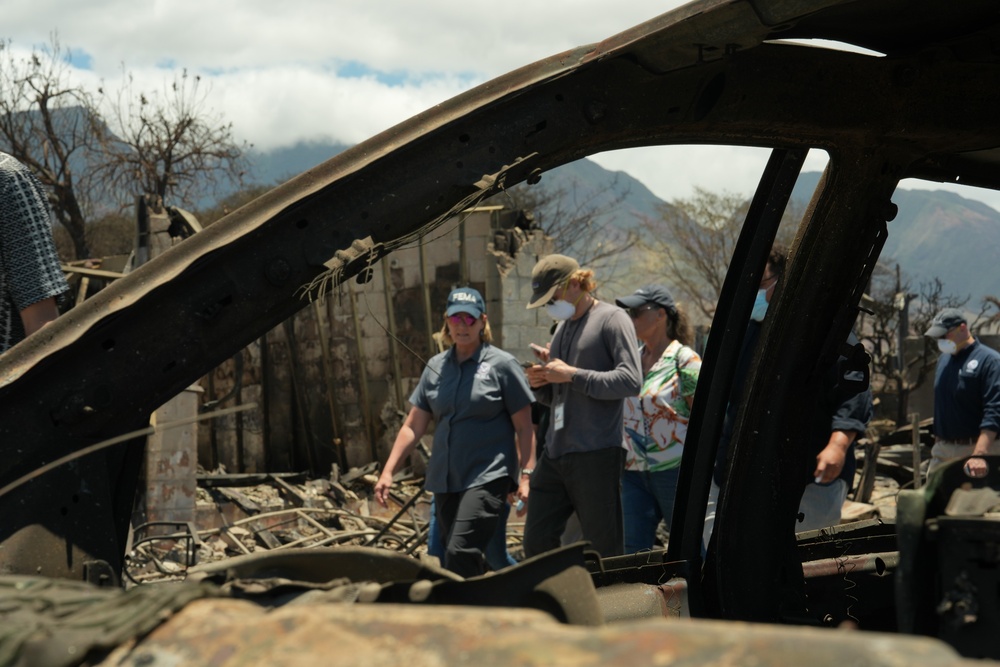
[243,514]
[239,514]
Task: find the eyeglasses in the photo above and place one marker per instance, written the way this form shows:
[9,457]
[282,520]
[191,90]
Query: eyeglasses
[636,312]
[462,318]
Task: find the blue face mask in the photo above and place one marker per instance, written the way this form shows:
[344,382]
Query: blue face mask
[759,306]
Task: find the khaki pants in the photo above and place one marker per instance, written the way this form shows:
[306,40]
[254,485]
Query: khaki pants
[945,451]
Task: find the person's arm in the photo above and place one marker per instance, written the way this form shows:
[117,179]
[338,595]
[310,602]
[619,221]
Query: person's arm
[975,466]
[537,379]
[688,371]
[34,277]
[986,439]
[850,419]
[990,424]
[525,433]
[409,435]
[625,377]
[830,461]
[38,314]
[536,376]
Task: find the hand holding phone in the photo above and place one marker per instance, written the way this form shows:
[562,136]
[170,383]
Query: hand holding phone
[541,352]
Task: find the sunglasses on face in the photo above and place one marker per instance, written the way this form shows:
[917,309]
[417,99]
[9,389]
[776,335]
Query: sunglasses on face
[462,318]
[636,312]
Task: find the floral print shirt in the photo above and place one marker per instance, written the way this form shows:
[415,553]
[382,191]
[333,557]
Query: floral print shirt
[656,420]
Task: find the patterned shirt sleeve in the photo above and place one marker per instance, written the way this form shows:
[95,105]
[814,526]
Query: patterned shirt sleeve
[29,265]
[689,367]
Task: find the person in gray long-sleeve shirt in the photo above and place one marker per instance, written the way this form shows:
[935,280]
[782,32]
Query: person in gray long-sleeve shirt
[590,367]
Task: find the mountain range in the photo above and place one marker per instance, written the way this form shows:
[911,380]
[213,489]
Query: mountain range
[936,233]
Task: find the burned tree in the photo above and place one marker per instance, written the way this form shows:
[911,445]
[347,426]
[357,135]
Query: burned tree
[96,154]
[989,316]
[167,143]
[583,221]
[48,123]
[886,324]
[690,245]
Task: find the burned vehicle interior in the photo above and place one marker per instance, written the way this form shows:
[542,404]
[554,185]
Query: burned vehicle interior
[731,72]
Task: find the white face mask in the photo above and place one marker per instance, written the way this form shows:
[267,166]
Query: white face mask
[947,346]
[560,310]
[759,306]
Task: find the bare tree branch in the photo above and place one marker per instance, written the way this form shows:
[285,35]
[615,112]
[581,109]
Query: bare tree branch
[167,143]
[889,308]
[46,123]
[581,221]
[693,240]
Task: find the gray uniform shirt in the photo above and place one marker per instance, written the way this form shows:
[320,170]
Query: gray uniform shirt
[603,345]
[29,266]
[471,404]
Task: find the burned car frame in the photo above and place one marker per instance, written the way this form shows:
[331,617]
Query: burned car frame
[712,72]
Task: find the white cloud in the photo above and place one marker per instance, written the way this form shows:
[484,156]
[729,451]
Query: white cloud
[279,106]
[273,68]
[434,35]
[671,172]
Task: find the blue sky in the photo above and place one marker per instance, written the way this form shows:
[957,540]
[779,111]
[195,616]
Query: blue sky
[80,59]
[315,70]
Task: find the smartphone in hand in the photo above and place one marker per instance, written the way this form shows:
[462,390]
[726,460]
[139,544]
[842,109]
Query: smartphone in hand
[541,352]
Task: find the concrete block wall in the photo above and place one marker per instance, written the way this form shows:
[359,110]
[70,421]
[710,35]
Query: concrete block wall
[518,325]
[314,415]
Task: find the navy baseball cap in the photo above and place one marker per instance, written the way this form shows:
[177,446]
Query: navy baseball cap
[945,321]
[657,294]
[465,300]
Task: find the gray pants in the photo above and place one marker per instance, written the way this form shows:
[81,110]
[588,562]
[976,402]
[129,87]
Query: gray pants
[588,483]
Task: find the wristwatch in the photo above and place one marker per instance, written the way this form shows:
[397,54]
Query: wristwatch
[527,471]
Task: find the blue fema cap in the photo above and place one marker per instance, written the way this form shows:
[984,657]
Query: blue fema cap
[465,300]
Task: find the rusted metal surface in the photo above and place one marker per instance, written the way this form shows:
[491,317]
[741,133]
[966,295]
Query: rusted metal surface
[555,582]
[367,606]
[236,632]
[880,564]
[621,602]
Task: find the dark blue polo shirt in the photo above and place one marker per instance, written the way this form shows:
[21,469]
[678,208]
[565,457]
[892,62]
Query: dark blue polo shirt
[471,404]
[967,393]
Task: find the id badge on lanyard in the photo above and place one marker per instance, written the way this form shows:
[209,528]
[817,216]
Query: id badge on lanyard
[558,416]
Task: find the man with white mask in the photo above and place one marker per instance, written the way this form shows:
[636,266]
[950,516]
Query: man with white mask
[966,395]
[590,367]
